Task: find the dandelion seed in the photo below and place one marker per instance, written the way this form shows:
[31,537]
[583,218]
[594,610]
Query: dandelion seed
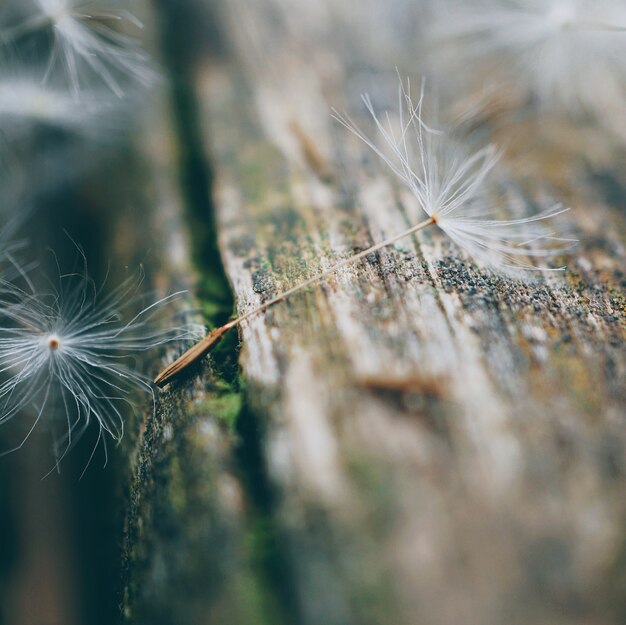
[567,53]
[449,186]
[71,358]
[85,44]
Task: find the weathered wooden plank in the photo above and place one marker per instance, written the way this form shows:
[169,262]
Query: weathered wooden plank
[186,548]
[447,445]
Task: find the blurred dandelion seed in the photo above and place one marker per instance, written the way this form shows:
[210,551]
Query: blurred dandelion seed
[449,186]
[85,44]
[69,358]
[568,53]
[27,101]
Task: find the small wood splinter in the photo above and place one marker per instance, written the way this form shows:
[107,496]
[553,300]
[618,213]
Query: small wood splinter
[204,346]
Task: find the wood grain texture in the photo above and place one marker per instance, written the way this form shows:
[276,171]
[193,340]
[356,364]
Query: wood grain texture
[447,445]
[185,547]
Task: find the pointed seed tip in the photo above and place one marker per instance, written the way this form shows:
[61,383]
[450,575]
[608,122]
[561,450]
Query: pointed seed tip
[192,355]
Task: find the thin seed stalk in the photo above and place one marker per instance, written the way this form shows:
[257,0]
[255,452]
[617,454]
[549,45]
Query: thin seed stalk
[203,347]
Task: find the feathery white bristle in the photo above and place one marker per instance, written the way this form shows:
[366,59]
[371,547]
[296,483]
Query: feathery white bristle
[86,48]
[71,357]
[450,186]
[11,220]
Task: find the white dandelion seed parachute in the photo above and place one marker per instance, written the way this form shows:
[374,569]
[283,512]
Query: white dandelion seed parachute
[450,186]
[72,358]
[565,53]
[86,46]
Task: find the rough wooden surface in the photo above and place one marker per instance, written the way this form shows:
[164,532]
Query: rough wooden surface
[417,440]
